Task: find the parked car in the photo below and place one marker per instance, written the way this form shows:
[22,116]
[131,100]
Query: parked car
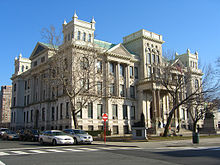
[2,131]
[10,135]
[32,135]
[21,134]
[79,136]
[55,137]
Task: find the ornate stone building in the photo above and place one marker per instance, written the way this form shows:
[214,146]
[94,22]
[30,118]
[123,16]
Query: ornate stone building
[130,66]
[5,105]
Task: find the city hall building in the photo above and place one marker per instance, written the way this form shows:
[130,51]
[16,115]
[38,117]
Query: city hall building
[133,92]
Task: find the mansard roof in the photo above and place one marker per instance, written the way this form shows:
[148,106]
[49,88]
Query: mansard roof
[104,44]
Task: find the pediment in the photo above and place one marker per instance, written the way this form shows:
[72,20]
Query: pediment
[120,49]
[40,47]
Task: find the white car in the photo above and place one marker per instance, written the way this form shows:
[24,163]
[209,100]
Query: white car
[2,131]
[79,136]
[55,137]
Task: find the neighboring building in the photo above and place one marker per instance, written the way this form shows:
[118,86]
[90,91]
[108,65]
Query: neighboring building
[5,105]
[130,65]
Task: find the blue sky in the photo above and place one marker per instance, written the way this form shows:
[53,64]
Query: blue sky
[193,24]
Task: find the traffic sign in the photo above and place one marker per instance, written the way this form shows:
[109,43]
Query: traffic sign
[104,117]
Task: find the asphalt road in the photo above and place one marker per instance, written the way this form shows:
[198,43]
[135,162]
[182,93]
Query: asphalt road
[31,153]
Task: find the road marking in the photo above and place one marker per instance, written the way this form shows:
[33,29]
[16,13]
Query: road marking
[20,152]
[73,150]
[38,151]
[89,149]
[4,153]
[53,150]
[1,163]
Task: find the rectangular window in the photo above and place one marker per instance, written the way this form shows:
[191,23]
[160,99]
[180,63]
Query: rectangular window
[35,63]
[42,59]
[99,111]
[67,110]
[148,71]
[126,130]
[27,116]
[90,38]
[31,115]
[122,89]
[24,100]
[183,111]
[99,87]
[158,59]
[84,36]
[57,113]
[132,92]
[153,58]
[27,99]
[111,89]
[122,70]
[131,71]
[148,58]
[90,128]
[14,101]
[125,112]
[99,66]
[25,85]
[61,110]
[79,109]
[135,72]
[90,110]
[132,112]
[114,111]
[115,130]
[111,68]
[78,37]
[52,115]
[24,116]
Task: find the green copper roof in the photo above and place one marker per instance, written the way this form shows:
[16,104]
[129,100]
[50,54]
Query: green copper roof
[104,44]
[49,45]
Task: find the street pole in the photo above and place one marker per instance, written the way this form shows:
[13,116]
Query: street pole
[105,131]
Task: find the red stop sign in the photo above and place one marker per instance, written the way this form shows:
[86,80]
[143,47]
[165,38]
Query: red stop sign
[105,117]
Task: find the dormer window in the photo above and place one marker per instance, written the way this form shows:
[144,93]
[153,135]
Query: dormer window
[84,36]
[79,33]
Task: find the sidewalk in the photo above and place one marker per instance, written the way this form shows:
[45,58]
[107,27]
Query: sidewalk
[203,142]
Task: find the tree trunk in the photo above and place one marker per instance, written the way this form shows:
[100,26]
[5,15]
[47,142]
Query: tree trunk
[168,123]
[75,120]
[194,127]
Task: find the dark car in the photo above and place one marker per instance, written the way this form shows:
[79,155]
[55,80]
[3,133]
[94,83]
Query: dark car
[32,135]
[10,135]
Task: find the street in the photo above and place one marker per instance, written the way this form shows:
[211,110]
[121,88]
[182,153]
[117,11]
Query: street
[31,153]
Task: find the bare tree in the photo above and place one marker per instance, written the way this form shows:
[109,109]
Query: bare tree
[77,69]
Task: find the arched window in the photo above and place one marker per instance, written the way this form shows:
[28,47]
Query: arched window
[84,36]
[196,83]
[90,38]
[78,37]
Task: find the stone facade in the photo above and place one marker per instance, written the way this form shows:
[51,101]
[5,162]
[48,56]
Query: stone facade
[127,66]
[5,105]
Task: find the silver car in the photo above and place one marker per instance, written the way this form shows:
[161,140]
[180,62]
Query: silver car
[79,136]
[55,137]
[2,131]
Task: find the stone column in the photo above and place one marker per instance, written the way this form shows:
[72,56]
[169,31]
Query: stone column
[154,107]
[117,77]
[158,106]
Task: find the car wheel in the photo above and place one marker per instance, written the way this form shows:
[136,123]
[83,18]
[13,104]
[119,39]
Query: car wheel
[41,142]
[75,141]
[54,142]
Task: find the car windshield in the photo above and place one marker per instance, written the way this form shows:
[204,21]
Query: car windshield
[79,132]
[4,129]
[58,133]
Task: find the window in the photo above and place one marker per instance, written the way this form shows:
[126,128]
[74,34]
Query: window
[132,91]
[31,115]
[196,83]
[125,112]
[72,35]
[132,112]
[99,87]
[90,110]
[42,59]
[114,111]
[84,63]
[84,36]
[25,85]
[153,58]
[115,130]
[111,68]
[99,66]
[131,71]
[148,58]
[100,127]
[79,109]
[158,59]
[78,37]
[122,89]
[90,38]
[52,115]
[14,87]
[122,70]
[148,71]
[183,111]
[111,89]
[90,128]
[126,130]
[68,36]
[27,99]
[24,117]
[35,63]
[27,116]
[99,111]
[67,110]
[14,101]
[22,68]
[57,113]
[135,72]
[61,110]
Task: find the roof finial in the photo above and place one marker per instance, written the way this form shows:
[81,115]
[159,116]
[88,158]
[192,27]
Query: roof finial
[20,55]
[75,16]
[188,51]
[64,22]
[93,20]
[196,53]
